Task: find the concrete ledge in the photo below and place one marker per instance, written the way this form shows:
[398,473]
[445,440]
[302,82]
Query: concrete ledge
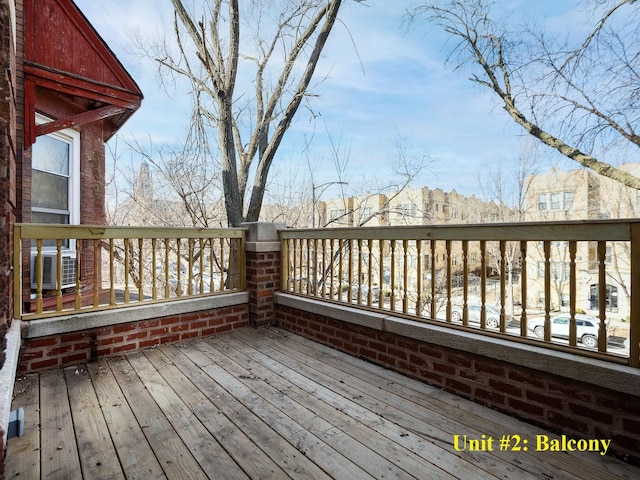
[8,375]
[615,377]
[261,247]
[262,237]
[86,321]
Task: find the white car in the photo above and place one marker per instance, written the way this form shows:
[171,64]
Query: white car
[492,315]
[586,328]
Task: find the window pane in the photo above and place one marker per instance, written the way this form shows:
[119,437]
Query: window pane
[542,201]
[51,155]
[555,201]
[568,200]
[53,218]
[49,191]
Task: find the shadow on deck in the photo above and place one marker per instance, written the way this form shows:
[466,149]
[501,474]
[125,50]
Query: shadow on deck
[268,404]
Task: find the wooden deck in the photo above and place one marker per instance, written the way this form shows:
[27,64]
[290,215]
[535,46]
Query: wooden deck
[265,404]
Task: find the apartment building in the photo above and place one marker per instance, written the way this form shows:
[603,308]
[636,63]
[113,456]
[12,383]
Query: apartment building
[581,195]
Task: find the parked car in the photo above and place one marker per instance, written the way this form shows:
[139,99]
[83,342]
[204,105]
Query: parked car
[586,328]
[364,292]
[492,315]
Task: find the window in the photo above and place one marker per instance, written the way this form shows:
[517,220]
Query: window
[555,201]
[568,201]
[608,256]
[55,190]
[407,210]
[540,269]
[543,202]
[560,271]
[337,214]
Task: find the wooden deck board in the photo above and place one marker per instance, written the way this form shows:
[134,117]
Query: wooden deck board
[264,404]
[59,454]
[476,417]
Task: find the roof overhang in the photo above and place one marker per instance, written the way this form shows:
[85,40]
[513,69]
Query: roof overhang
[69,64]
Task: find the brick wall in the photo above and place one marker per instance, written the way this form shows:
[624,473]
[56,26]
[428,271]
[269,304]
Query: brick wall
[82,346]
[555,403]
[7,168]
[263,279]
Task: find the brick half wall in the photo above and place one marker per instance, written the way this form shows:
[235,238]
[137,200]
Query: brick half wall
[52,345]
[554,402]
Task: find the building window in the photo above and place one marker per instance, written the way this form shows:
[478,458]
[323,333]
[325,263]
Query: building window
[543,202]
[560,271]
[555,201]
[55,190]
[540,269]
[407,210]
[337,214]
[567,201]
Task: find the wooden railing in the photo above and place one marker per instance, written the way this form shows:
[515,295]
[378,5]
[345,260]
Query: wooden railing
[561,285]
[72,269]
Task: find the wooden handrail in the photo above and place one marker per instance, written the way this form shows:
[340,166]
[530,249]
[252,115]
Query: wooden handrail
[111,267]
[462,277]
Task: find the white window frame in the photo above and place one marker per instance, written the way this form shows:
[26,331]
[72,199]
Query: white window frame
[72,137]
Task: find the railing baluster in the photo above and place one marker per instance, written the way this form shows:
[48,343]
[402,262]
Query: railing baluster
[503,289]
[483,284]
[140,271]
[190,266]
[97,284]
[127,261]
[381,273]
[465,282]
[602,296]
[323,278]
[112,273]
[433,279]
[572,294]
[547,290]
[523,289]
[449,278]
[201,266]
[369,272]
[359,283]
[393,275]
[405,276]
[59,275]
[154,291]
[419,277]
[167,285]
[340,267]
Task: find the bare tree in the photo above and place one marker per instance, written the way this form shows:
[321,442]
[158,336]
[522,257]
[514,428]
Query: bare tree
[579,98]
[249,66]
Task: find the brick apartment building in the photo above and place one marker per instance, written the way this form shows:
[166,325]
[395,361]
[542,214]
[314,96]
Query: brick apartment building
[582,195]
[64,94]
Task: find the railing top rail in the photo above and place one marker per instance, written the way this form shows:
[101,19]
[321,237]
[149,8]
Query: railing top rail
[611,230]
[89,232]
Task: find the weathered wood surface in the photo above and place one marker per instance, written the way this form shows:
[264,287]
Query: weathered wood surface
[264,404]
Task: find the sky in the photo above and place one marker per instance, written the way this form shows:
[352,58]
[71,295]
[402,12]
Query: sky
[383,86]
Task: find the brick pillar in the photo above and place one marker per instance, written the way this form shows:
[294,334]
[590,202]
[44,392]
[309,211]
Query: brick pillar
[263,270]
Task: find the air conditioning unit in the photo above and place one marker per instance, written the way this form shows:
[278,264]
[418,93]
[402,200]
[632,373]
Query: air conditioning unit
[50,270]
